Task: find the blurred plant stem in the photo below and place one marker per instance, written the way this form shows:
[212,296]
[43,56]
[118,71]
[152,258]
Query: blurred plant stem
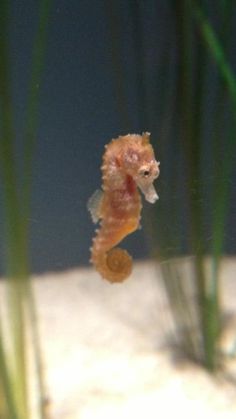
[191,96]
[190,93]
[198,44]
[223,159]
[21,313]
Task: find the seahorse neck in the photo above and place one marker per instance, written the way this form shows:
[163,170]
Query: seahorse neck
[113,178]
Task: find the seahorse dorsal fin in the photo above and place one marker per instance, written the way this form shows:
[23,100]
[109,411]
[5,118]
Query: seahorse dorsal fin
[94,205]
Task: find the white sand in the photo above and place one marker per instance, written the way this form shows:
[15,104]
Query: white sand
[106,353]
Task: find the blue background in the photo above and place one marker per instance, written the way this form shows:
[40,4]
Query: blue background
[80,112]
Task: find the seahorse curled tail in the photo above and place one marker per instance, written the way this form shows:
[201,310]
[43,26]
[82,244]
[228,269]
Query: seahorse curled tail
[113,263]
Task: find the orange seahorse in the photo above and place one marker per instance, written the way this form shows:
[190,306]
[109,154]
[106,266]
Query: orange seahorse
[128,162]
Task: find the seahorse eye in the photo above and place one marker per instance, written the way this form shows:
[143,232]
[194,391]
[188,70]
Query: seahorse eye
[144,173]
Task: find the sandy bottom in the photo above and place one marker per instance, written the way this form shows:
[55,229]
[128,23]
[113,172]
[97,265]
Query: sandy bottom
[106,353]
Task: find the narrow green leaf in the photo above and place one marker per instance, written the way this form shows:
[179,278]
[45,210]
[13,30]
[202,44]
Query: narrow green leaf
[216,49]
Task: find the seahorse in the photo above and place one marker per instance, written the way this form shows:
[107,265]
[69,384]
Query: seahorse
[128,164]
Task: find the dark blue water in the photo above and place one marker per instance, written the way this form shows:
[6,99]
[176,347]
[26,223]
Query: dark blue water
[80,112]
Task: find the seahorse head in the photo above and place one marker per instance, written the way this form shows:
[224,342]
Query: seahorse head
[139,162]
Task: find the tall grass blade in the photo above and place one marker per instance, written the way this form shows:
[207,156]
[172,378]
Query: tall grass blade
[32,109]
[223,163]
[215,47]
[21,307]
[15,244]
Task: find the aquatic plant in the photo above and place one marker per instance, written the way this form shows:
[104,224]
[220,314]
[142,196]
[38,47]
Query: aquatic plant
[19,340]
[188,104]
[204,48]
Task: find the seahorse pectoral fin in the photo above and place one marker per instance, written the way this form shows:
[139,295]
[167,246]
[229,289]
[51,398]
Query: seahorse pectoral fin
[94,205]
[149,192]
